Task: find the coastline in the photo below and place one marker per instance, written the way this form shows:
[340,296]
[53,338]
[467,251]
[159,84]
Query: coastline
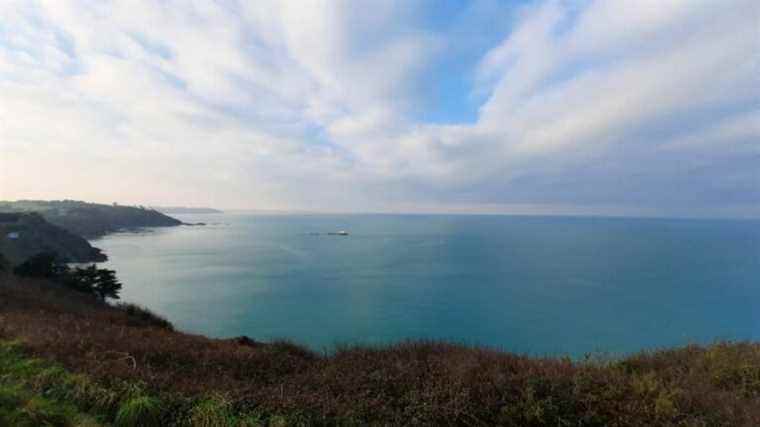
[398,278]
[142,365]
[118,348]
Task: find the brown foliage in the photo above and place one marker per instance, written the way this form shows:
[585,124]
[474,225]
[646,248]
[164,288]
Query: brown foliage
[407,383]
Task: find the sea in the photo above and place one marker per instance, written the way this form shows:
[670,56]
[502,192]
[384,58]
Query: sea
[541,286]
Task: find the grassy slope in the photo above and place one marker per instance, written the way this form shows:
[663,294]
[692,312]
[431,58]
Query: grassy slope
[21,402]
[36,392]
[171,377]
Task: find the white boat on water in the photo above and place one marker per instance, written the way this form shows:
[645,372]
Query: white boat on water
[338,233]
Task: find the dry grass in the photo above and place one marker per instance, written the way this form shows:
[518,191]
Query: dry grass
[427,383]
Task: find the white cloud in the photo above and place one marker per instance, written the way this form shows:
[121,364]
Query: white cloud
[739,132]
[567,92]
[314,104]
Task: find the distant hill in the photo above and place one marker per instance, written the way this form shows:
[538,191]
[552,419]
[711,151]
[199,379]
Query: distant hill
[91,219]
[185,210]
[23,235]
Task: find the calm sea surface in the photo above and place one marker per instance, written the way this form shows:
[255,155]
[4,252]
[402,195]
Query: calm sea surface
[537,285]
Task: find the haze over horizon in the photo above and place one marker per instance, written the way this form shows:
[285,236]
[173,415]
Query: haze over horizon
[547,106]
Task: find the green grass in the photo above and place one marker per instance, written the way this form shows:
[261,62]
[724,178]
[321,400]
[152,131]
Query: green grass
[22,408]
[38,393]
[142,411]
[21,405]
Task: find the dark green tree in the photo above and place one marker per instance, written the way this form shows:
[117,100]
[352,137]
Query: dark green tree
[100,282]
[46,265]
[82,279]
[107,286]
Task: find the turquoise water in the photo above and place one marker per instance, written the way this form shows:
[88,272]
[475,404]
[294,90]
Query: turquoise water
[538,285]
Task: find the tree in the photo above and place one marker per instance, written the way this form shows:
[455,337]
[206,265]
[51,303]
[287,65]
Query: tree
[100,282]
[107,285]
[82,279]
[93,280]
[45,264]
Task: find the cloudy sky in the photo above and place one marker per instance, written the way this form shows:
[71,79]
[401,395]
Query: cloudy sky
[588,106]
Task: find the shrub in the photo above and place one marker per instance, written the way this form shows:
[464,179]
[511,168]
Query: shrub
[145,316]
[20,408]
[100,282]
[92,280]
[44,265]
[142,411]
[9,397]
[213,412]
[39,411]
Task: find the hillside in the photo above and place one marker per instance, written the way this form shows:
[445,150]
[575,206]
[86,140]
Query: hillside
[91,220]
[25,234]
[111,364]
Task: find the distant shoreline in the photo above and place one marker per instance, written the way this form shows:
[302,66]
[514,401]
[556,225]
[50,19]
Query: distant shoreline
[68,226]
[185,210]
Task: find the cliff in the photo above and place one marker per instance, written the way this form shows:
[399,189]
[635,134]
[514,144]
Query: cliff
[91,220]
[23,235]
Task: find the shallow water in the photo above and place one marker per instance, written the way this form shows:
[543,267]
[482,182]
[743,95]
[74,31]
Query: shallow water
[540,285]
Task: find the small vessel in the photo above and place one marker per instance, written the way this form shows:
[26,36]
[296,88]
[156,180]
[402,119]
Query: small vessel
[338,233]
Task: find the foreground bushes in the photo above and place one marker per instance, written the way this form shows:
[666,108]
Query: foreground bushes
[145,372]
[144,316]
[21,393]
[75,400]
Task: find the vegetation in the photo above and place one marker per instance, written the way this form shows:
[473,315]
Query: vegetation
[144,315]
[121,367]
[100,282]
[21,406]
[28,227]
[75,400]
[43,265]
[4,263]
[91,219]
[92,280]
[23,235]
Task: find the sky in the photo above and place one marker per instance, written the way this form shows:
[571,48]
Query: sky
[609,107]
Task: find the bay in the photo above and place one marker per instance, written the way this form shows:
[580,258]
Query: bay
[535,285]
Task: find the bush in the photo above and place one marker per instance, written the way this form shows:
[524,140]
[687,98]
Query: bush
[143,411]
[212,412]
[43,265]
[21,407]
[39,411]
[145,316]
[100,282]
[92,280]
